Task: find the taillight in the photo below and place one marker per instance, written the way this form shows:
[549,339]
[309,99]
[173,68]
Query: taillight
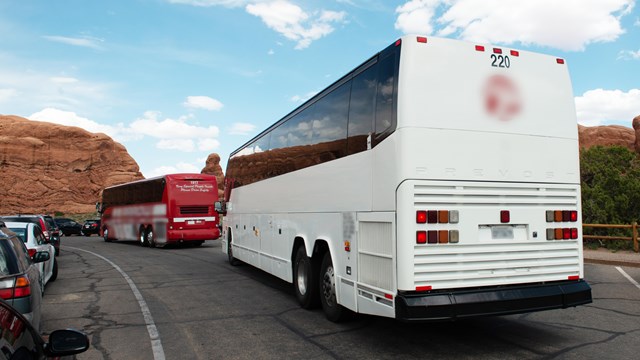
[32,252]
[505,216]
[562,216]
[437,236]
[23,287]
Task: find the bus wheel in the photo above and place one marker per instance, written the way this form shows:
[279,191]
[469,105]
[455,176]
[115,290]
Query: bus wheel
[304,280]
[233,261]
[150,238]
[105,234]
[142,236]
[333,311]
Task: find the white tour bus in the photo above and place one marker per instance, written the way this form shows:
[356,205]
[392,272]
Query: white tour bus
[436,181]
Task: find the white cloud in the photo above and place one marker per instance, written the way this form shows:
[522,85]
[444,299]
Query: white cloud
[203,102]
[70,118]
[597,106]
[208,144]
[241,129]
[629,55]
[89,42]
[209,3]
[294,23]
[566,25]
[182,167]
[303,98]
[416,16]
[185,145]
[168,128]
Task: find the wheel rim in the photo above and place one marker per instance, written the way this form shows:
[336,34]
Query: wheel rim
[150,236]
[302,278]
[106,234]
[328,286]
[141,236]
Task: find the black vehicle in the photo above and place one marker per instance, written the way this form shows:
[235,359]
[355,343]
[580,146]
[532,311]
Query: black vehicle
[91,227]
[69,226]
[46,223]
[21,341]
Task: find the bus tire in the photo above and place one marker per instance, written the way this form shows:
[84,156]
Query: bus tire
[232,260]
[332,310]
[105,235]
[150,237]
[142,236]
[305,280]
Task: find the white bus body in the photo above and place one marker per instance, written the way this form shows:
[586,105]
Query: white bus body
[449,206]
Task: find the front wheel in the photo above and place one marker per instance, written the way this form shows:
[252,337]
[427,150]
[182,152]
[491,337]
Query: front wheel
[105,235]
[305,280]
[332,310]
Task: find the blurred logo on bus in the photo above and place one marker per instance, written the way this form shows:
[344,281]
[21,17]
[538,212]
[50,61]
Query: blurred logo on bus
[502,98]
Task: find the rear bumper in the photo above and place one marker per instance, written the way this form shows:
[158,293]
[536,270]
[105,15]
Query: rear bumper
[452,305]
[192,235]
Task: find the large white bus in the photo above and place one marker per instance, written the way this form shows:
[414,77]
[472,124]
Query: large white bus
[437,180]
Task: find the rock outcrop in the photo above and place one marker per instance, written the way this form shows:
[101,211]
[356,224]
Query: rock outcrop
[48,168]
[212,167]
[636,127]
[608,136]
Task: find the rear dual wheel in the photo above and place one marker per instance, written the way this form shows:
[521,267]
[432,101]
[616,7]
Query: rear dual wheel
[146,236]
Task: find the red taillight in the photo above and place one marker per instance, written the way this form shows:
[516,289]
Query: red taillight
[566,233]
[388,296]
[574,233]
[398,42]
[574,277]
[497,51]
[421,217]
[479,48]
[514,53]
[573,217]
[421,237]
[505,216]
[32,252]
[560,61]
[6,294]
[423,288]
[422,39]
[22,287]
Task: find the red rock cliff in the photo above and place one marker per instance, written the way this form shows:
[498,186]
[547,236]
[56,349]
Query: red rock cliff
[607,136]
[46,167]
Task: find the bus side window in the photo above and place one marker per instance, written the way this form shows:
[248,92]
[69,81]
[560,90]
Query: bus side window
[384,99]
[363,95]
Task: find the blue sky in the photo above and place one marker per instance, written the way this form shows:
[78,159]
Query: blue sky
[175,80]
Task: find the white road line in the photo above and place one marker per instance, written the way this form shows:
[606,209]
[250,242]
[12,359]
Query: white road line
[628,277]
[156,344]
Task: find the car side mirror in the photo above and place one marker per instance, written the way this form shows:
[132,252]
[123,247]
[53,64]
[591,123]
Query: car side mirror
[41,256]
[66,342]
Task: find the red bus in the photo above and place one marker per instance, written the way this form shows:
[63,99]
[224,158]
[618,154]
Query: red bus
[170,209]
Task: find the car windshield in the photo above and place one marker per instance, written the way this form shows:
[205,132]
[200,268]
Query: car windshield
[21,232]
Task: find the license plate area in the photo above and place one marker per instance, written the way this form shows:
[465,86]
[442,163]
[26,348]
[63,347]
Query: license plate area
[502,233]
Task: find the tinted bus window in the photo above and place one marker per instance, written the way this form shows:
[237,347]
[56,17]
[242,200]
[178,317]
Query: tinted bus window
[384,98]
[363,94]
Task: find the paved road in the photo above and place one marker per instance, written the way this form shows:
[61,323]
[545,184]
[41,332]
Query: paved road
[205,309]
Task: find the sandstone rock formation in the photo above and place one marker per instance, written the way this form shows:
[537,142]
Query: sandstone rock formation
[636,126]
[48,168]
[212,167]
[608,136]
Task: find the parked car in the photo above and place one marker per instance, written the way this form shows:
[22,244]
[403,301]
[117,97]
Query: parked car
[20,276]
[69,226]
[51,232]
[91,227]
[21,341]
[33,238]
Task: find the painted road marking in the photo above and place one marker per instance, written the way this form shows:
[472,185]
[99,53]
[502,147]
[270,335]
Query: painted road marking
[156,344]
[628,277]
